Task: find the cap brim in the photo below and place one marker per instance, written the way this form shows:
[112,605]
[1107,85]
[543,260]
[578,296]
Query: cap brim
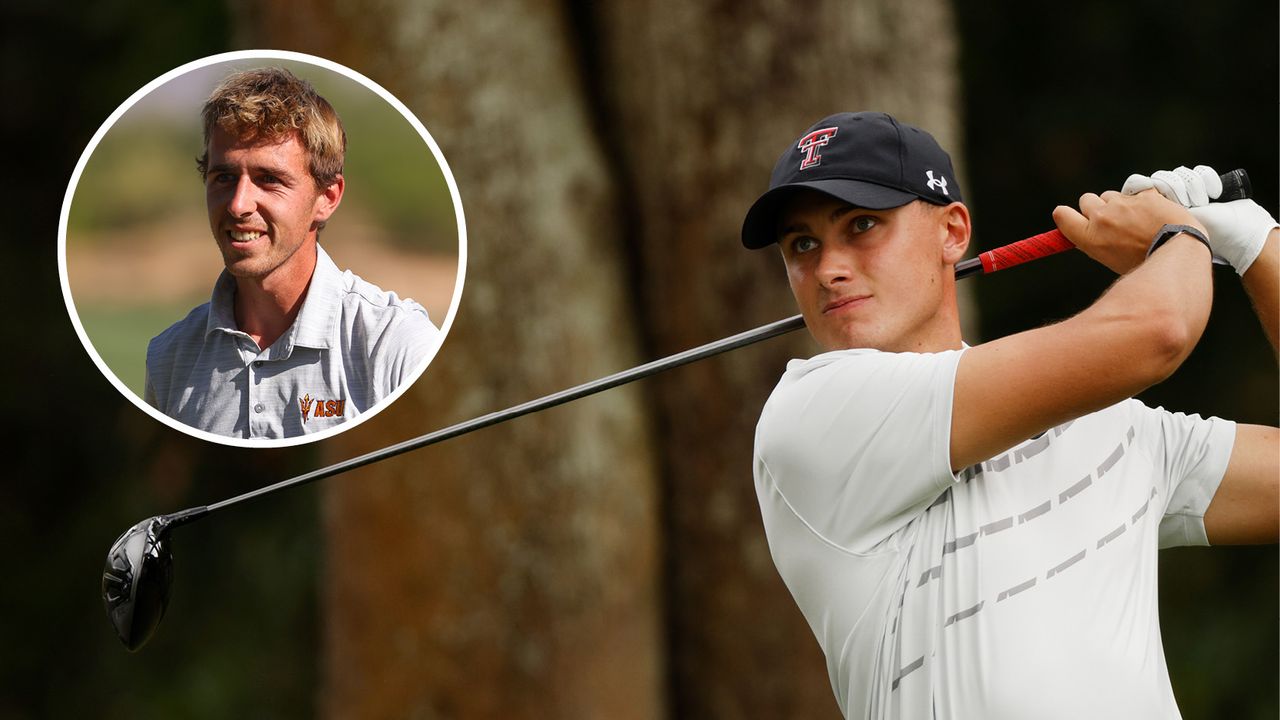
[760,228]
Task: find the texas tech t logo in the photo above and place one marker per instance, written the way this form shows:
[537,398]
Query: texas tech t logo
[810,144]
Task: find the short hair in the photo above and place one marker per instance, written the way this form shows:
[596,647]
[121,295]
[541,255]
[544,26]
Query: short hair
[270,104]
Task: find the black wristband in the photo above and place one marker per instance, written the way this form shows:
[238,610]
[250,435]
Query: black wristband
[1169,231]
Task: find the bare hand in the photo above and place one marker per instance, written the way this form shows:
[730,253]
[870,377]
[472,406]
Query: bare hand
[1117,230]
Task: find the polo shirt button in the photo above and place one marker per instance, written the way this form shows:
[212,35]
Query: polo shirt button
[257,408]
[257,363]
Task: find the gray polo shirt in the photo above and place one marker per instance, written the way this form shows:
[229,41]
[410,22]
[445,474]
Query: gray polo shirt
[351,345]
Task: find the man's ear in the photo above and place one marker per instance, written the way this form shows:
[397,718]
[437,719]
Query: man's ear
[329,199]
[958,231]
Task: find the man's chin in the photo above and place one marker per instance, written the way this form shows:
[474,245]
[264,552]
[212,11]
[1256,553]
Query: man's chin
[842,338]
[244,268]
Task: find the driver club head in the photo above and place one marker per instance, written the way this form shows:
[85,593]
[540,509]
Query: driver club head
[136,580]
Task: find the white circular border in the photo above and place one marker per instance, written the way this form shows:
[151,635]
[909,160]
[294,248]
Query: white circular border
[258,55]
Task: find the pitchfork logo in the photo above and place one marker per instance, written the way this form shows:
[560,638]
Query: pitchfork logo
[810,144]
[323,408]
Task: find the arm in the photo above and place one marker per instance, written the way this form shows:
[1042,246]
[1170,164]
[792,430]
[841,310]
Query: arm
[1132,337]
[1246,507]
[1262,282]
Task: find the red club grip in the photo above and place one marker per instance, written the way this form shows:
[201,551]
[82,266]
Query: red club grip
[1033,248]
[1235,185]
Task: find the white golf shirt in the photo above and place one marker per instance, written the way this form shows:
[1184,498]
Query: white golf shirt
[350,346]
[1022,587]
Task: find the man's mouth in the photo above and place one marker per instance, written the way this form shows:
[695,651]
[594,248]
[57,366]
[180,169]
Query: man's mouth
[244,237]
[844,303]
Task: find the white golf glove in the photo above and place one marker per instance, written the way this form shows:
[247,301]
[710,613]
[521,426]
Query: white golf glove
[1237,229]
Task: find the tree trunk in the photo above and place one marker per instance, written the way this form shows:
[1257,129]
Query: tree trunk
[703,98]
[519,575]
[513,573]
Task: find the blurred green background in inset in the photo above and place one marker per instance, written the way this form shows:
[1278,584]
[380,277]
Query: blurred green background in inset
[139,251]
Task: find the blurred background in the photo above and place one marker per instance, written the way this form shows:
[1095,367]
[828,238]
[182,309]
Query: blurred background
[606,558]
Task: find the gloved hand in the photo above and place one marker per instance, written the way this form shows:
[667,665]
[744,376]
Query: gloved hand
[1237,229]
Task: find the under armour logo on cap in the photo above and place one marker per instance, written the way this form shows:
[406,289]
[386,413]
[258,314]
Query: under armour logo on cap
[810,144]
[937,183]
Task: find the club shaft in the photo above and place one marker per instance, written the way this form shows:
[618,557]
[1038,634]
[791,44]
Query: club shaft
[964,269]
[764,332]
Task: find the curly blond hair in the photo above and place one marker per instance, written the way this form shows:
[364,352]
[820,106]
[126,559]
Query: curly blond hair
[270,104]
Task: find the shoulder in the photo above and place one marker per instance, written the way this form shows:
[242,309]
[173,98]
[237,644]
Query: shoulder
[383,316]
[182,335]
[1173,432]
[856,440]
[852,394]
[870,374]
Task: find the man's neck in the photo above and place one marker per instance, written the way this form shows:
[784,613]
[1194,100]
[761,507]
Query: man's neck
[941,332]
[936,340]
[266,307]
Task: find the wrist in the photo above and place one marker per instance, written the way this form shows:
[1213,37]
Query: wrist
[1238,230]
[1170,231]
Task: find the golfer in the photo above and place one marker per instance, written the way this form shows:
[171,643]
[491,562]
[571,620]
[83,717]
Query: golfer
[972,531]
[288,344]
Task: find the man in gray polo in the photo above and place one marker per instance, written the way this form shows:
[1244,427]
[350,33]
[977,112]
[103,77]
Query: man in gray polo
[288,344]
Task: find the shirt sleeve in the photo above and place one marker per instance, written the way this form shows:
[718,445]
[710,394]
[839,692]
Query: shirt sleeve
[1191,453]
[860,444]
[409,340]
[148,383]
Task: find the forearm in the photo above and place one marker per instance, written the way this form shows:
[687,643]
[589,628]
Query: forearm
[1262,283]
[1160,308]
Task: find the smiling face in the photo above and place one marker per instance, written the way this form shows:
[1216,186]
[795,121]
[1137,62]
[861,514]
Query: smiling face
[879,279]
[264,206]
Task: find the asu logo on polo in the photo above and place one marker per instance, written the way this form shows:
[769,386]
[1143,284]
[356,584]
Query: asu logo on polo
[322,408]
[810,144]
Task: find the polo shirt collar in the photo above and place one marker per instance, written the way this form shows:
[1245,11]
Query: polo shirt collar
[222,307]
[315,323]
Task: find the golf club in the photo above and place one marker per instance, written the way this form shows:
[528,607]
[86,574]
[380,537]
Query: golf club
[139,569]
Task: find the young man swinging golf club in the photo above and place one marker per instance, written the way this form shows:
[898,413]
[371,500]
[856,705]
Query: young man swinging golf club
[972,532]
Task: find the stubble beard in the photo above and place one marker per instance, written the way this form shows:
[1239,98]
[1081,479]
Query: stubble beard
[259,262]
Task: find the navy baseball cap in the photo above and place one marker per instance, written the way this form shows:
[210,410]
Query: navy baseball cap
[866,159]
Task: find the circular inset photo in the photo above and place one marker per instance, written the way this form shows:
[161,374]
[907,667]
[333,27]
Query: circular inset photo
[262,248]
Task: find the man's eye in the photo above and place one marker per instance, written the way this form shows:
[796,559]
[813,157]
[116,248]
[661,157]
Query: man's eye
[804,244]
[270,180]
[863,223]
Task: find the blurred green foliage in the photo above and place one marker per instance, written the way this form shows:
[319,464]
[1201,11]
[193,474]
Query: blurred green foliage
[139,174]
[121,332]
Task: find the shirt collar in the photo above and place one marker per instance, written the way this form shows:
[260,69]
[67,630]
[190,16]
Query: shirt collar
[314,325]
[222,308]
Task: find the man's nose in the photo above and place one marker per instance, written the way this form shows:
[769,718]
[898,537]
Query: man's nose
[835,265]
[243,202]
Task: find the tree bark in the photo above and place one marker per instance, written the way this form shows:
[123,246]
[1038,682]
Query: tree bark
[513,573]
[529,582]
[703,98]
